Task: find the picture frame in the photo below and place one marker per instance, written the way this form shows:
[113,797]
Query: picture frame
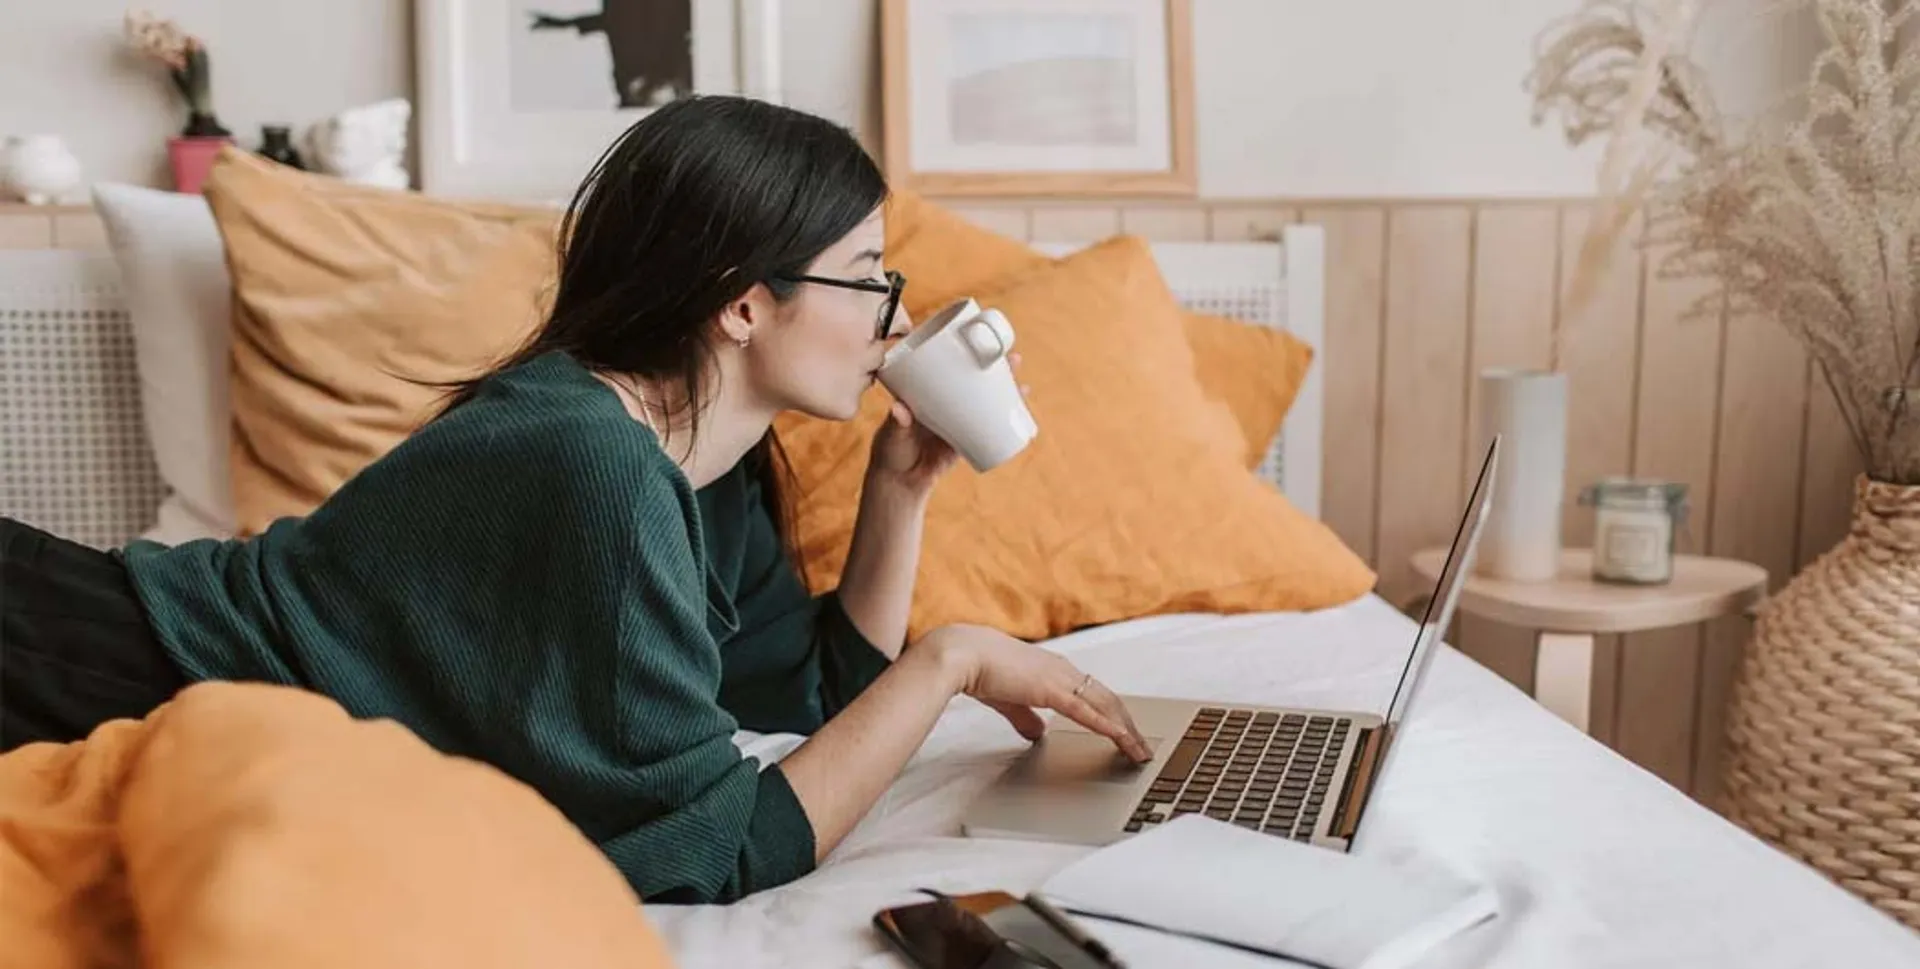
[508,113]
[1030,97]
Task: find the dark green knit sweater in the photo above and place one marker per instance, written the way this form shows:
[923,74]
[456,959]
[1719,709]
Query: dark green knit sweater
[530,581]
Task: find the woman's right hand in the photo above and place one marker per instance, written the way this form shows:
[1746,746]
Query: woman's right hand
[1014,677]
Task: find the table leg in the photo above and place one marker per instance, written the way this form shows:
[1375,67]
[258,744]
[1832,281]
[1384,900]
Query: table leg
[1563,676]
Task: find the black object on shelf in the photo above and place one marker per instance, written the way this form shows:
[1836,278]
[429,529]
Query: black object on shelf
[276,143]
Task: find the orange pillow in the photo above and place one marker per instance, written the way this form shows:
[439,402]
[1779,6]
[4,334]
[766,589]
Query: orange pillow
[344,297]
[1134,499]
[945,257]
[266,827]
[1255,370]
[244,824]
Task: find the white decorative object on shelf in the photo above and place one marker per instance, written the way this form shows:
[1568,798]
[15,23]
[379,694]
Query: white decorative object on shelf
[38,169]
[1528,409]
[365,144]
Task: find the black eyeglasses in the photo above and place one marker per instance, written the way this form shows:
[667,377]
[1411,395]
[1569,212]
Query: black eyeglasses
[892,287]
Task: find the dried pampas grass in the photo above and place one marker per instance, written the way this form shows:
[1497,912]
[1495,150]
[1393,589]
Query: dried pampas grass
[1812,223]
[1615,95]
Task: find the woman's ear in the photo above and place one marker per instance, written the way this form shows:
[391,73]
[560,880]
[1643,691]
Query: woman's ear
[746,313]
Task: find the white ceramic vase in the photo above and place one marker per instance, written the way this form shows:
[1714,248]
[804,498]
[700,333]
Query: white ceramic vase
[1528,409]
[38,168]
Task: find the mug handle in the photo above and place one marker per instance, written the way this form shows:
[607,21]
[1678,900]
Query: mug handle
[989,336]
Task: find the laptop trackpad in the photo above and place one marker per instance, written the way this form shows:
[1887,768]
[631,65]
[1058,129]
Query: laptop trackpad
[1069,756]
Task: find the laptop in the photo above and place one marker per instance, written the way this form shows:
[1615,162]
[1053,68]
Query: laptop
[1293,773]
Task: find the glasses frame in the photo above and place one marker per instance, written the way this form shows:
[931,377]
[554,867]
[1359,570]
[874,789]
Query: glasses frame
[894,285]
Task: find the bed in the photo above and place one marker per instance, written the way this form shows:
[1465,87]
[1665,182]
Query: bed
[1597,862]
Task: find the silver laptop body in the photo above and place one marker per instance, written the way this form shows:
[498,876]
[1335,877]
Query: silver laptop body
[1296,773]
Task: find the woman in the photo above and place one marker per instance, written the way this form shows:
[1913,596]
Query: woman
[576,572]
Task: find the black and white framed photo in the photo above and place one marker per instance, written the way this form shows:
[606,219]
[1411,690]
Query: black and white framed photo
[518,98]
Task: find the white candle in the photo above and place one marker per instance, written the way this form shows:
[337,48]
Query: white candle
[1633,544]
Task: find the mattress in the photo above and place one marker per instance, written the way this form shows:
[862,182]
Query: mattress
[1597,862]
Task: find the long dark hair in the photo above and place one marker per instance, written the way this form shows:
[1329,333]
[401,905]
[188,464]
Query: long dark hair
[687,210]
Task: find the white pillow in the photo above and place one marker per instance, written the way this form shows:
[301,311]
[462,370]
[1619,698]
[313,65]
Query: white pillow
[174,272]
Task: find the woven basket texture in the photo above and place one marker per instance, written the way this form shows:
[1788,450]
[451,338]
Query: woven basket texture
[1824,730]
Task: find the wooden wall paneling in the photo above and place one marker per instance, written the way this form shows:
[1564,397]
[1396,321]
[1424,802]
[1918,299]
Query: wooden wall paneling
[1011,221]
[1829,463]
[1356,300]
[1678,404]
[1237,223]
[1599,350]
[1515,293]
[1423,387]
[1165,223]
[24,229]
[1756,506]
[1515,282]
[1073,223]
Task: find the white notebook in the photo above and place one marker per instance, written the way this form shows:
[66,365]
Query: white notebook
[1212,880]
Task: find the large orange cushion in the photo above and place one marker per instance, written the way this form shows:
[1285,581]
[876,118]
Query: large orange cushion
[250,825]
[1133,500]
[1255,370]
[348,302]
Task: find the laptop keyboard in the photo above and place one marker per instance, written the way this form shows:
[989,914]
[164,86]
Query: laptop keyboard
[1267,771]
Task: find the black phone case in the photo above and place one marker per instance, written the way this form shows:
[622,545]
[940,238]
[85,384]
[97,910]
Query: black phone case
[1011,919]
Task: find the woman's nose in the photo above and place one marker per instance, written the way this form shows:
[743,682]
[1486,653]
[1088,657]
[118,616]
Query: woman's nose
[899,326]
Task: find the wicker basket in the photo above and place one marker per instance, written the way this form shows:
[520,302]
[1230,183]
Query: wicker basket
[1824,731]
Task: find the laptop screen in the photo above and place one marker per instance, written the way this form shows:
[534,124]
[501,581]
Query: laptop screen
[1446,592]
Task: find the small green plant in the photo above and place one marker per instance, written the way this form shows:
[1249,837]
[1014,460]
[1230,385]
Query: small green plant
[185,58]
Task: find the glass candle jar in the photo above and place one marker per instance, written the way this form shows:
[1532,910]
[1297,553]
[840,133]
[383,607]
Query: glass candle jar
[1634,528]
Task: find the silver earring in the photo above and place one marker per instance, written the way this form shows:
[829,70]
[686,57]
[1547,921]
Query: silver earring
[743,341]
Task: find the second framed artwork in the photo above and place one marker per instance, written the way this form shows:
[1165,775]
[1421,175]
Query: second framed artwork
[1015,97]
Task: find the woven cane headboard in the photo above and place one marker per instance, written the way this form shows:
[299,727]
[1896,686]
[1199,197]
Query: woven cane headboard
[1281,285]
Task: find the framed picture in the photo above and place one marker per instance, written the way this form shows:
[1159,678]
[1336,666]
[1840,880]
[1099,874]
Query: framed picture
[519,98]
[1013,97]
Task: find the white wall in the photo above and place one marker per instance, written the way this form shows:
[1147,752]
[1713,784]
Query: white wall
[1297,98]
[1374,98]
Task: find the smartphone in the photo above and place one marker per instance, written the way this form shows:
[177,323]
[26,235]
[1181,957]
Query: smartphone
[984,930]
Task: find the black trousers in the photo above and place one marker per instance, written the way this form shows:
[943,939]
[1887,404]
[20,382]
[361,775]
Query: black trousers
[76,649]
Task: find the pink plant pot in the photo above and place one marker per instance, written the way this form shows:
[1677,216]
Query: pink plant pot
[191,159]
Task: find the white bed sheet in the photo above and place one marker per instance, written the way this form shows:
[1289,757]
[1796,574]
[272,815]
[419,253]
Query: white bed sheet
[1598,863]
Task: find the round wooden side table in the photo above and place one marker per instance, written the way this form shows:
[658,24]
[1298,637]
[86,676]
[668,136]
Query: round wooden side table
[1570,609]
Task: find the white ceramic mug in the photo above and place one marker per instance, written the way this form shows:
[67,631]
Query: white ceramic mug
[952,370]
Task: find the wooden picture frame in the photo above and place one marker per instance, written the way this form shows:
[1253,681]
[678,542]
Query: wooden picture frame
[1129,64]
